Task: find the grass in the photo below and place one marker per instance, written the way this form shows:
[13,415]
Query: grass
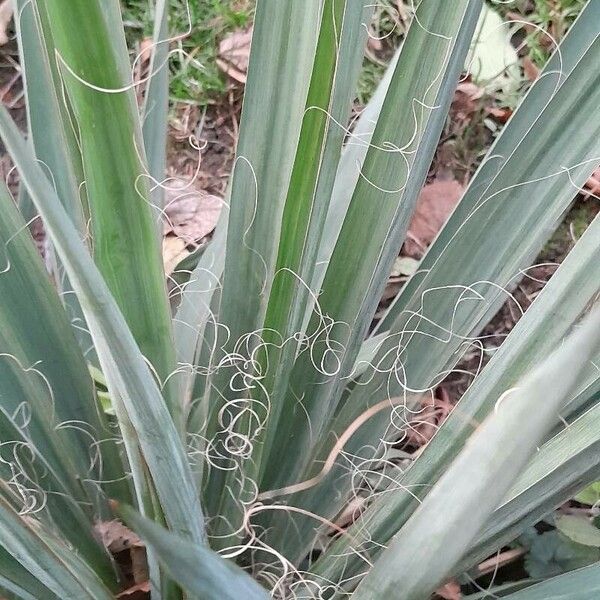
[195,76]
[548,17]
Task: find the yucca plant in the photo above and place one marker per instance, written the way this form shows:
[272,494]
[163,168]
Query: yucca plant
[238,427]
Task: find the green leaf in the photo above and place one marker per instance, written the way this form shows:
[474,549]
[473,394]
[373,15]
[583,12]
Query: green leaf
[132,387]
[49,119]
[393,172]
[590,495]
[555,311]
[19,581]
[198,569]
[94,65]
[283,45]
[559,469]
[156,102]
[56,442]
[579,529]
[582,584]
[552,554]
[480,253]
[45,559]
[471,488]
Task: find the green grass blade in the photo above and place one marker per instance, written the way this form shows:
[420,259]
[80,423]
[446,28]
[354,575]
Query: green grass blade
[72,580]
[483,472]
[89,39]
[156,101]
[202,572]
[128,376]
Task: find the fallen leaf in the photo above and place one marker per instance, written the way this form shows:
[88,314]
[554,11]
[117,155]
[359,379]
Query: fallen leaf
[116,537]
[450,591]
[464,103]
[500,113]
[426,421]
[404,266]
[174,251]
[592,185]
[492,60]
[436,201]
[529,68]
[374,43]
[139,590]
[6,13]
[190,213]
[234,53]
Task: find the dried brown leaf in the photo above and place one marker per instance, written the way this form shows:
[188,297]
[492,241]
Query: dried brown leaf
[234,53]
[592,185]
[465,99]
[530,70]
[6,13]
[436,201]
[450,591]
[138,591]
[502,114]
[116,537]
[190,213]
[174,251]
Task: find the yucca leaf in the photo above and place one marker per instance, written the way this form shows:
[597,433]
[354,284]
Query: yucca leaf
[156,101]
[395,167]
[531,175]
[394,170]
[194,311]
[517,171]
[581,584]
[16,580]
[56,442]
[201,571]
[480,251]
[282,52]
[53,135]
[128,376]
[349,169]
[561,468]
[337,61]
[45,560]
[555,311]
[93,60]
[471,488]
[338,58]
[49,119]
